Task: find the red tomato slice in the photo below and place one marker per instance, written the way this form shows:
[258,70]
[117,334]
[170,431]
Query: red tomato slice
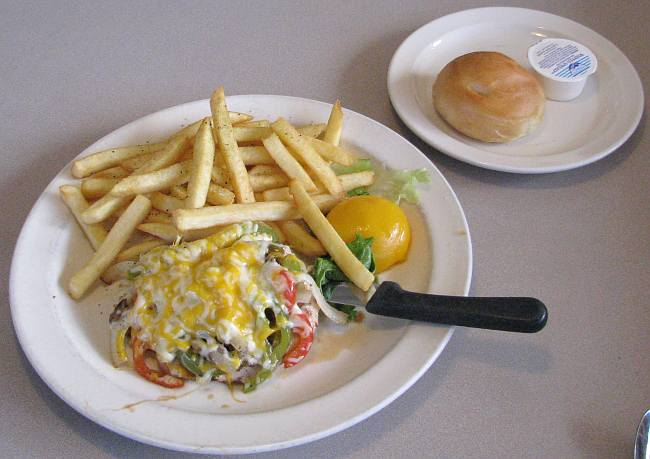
[290,289]
[147,373]
[303,337]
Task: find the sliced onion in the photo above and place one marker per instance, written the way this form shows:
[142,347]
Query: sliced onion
[330,311]
[303,292]
[206,378]
[311,309]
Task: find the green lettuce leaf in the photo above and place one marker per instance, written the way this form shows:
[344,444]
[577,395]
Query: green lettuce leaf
[359,165]
[360,191]
[361,247]
[328,275]
[400,185]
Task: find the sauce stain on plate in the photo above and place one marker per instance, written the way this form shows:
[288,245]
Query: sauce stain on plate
[130,407]
[331,341]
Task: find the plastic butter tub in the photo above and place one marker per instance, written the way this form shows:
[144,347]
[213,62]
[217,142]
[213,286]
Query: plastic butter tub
[563,66]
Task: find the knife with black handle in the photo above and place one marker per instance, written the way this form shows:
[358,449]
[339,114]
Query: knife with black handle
[514,314]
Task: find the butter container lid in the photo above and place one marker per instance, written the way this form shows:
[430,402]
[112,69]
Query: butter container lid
[563,66]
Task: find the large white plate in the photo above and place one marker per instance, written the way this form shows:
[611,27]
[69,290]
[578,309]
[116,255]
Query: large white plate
[572,134]
[348,376]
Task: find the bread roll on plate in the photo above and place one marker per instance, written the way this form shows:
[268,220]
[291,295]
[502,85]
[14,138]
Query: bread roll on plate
[489,97]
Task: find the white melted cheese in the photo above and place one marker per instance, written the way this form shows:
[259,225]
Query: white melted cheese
[207,293]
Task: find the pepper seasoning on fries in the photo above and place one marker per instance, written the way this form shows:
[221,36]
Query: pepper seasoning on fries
[208,174]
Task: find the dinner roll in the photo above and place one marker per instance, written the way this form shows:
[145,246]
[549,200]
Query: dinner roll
[489,97]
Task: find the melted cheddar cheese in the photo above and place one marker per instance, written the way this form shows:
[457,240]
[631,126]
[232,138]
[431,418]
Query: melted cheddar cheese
[204,293]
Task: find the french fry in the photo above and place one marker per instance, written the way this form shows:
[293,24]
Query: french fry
[220,177]
[223,131]
[96,187]
[319,185]
[334,127]
[103,208]
[299,239]
[191,129]
[348,181]
[161,179]
[255,123]
[188,155]
[187,219]
[357,179]
[197,188]
[111,172]
[252,143]
[303,149]
[266,182]
[136,162]
[157,216]
[331,152]
[132,253]
[188,131]
[120,210]
[75,201]
[265,169]
[311,130]
[170,234]
[165,231]
[330,239]
[219,196]
[193,235]
[352,181]
[235,118]
[254,156]
[171,154]
[112,245]
[287,162]
[238,118]
[250,134]
[108,158]
[277,194]
[165,203]
[179,191]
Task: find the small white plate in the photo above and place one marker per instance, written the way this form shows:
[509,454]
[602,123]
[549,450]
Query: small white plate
[347,377]
[571,135]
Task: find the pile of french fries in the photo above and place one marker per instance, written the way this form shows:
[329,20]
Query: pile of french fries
[223,169]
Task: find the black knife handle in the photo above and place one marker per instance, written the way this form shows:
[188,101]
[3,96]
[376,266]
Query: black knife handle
[515,314]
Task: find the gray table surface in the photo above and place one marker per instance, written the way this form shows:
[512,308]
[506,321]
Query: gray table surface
[71,72]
